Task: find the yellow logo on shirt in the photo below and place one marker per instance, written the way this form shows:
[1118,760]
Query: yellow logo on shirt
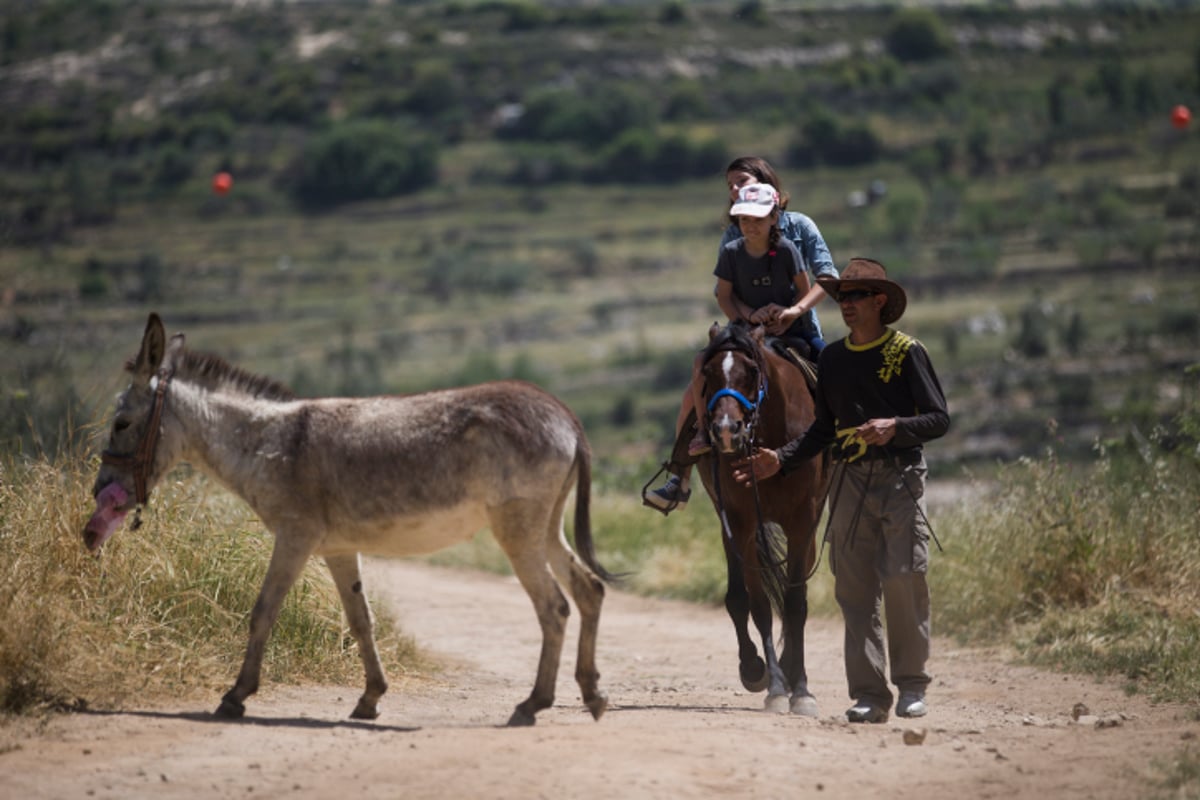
[894,352]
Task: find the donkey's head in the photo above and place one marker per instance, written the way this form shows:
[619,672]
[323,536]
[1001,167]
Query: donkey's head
[130,464]
[733,381]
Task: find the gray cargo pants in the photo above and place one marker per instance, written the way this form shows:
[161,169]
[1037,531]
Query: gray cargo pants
[879,551]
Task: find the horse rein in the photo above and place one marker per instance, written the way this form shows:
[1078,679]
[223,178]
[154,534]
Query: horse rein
[139,461]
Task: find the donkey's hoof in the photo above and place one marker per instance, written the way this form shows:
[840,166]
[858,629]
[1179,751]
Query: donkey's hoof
[754,675]
[365,710]
[597,705]
[776,704]
[805,705]
[230,709]
[521,719]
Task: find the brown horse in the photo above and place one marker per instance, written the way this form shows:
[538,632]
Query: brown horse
[756,398]
[336,477]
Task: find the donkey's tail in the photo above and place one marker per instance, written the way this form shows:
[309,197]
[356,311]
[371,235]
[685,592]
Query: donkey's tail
[583,519]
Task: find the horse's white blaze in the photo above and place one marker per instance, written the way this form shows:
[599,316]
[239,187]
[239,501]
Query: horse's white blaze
[727,366]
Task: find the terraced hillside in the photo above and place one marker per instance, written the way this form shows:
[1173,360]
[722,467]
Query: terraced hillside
[439,193]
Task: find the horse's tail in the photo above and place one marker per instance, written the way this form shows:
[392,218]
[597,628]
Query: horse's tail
[771,549]
[584,545]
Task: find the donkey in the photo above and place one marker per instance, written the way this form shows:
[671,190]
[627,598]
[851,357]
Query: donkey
[393,476]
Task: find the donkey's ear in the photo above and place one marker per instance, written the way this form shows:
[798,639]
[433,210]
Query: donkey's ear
[174,354]
[153,348]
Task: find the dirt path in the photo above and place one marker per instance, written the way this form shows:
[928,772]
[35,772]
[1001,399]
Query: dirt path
[679,724]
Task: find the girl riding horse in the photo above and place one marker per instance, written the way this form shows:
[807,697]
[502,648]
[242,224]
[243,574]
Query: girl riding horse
[761,279]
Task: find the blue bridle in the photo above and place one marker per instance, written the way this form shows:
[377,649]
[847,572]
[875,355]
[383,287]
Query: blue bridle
[741,398]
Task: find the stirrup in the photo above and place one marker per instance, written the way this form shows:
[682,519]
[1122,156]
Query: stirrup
[660,502]
[667,497]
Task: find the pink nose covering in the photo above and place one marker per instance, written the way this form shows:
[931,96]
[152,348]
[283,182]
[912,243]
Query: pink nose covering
[107,518]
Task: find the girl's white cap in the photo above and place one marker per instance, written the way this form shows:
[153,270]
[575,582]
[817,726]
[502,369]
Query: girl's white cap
[755,200]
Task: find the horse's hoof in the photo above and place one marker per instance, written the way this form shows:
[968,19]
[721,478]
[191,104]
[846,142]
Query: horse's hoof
[230,709]
[521,719]
[597,705]
[365,710]
[754,681]
[805,705]
[776,704]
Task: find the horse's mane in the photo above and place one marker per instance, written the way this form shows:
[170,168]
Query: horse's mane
[214,372]
[734,336]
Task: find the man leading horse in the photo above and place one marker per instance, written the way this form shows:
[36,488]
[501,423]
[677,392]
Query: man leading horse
[878,401]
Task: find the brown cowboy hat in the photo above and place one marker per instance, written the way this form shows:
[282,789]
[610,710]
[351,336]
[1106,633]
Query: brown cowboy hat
[872,275]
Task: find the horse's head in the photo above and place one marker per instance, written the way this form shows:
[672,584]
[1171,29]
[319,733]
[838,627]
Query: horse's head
[734,386]
[130,464]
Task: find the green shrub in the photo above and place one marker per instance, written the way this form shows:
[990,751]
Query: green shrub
[172,166]
[93,283]
[209,130]
[823,139]
[643,156]
[905,211]
[1181,323]
[917,35]
[361,160]
[592,117]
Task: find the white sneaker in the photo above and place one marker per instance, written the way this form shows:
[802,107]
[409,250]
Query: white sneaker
[911,704]
[866,711]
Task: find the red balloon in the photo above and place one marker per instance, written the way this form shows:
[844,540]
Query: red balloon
[222,182]
[1180,116]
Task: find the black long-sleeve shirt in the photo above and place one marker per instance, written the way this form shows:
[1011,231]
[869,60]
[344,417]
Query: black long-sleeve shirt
[890,377]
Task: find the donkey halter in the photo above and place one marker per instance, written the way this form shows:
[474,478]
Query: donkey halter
[139,461]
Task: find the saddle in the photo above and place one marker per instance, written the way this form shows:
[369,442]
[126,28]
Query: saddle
[799,354]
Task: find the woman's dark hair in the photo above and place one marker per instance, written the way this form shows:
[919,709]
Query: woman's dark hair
[762,171]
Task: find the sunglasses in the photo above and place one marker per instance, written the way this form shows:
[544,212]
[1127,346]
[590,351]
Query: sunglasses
[855,295]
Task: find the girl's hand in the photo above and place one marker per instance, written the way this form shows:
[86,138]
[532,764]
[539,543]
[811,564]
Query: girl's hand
[759,316]
[767,315]
[783,320]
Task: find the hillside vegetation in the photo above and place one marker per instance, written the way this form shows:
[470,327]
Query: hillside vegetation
[427,194]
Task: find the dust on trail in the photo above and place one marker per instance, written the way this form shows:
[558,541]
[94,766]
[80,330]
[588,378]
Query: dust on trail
[679,723]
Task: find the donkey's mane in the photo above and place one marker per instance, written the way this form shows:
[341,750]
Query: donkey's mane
[214,372]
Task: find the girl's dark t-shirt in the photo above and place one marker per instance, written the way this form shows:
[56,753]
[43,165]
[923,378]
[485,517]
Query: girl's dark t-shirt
[758,282]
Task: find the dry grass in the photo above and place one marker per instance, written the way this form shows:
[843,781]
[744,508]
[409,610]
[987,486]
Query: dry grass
[1091,568]
[163,611]
[1087,569]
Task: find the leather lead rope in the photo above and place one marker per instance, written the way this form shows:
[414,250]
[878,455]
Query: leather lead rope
[139,461]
